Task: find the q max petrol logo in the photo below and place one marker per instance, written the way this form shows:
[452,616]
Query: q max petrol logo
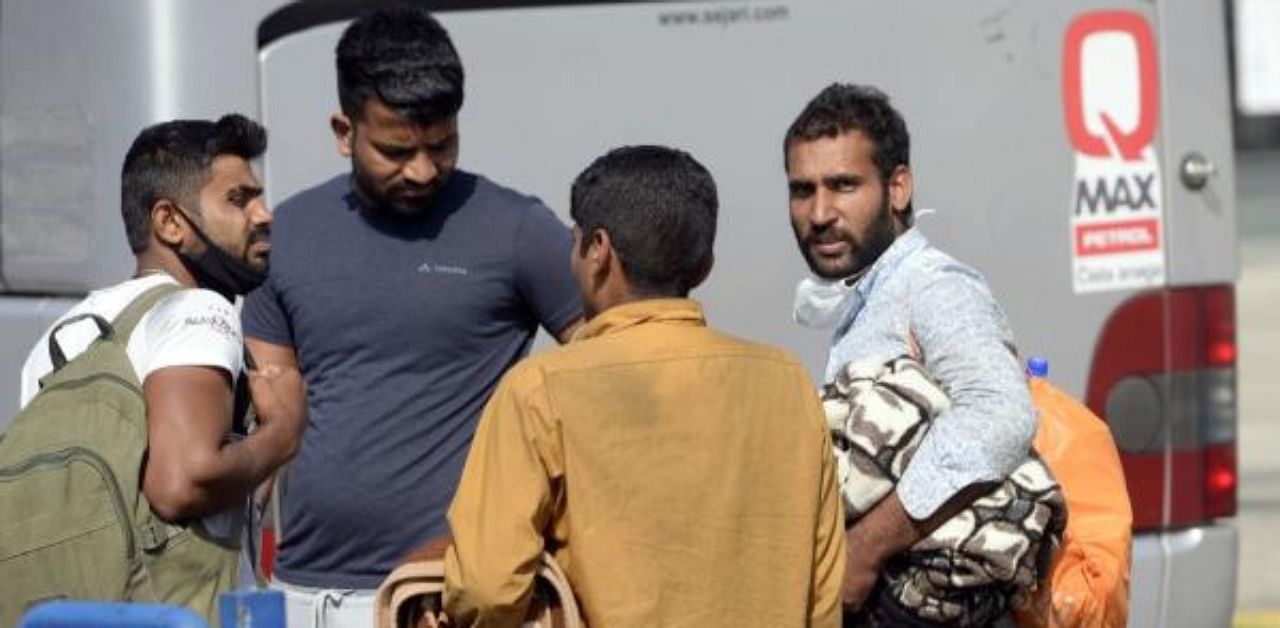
[1110,92]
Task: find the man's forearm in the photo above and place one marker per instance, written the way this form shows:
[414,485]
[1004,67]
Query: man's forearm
[888,530]
[257,456]
[883,533]
[192,468]
[228,476]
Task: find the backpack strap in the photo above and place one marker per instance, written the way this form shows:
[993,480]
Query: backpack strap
[129,318]
[122,328]
[56,355]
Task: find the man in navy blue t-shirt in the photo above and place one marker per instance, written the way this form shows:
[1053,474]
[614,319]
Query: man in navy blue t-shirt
[403,290]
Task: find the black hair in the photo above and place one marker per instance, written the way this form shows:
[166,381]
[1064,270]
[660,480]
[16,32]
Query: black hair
[843,107]
[658,206]
[402,56]
[171,161]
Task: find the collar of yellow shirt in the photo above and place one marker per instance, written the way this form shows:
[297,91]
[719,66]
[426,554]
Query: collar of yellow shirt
[620,317]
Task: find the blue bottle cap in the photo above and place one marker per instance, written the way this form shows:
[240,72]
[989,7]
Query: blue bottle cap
[1037,367]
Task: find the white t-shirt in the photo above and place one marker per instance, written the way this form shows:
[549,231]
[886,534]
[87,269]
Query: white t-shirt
[187,328]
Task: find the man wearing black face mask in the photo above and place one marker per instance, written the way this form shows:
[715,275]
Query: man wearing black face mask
[197,224]
[216,269]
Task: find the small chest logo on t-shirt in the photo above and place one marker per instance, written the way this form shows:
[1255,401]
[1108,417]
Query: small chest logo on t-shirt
[442,269]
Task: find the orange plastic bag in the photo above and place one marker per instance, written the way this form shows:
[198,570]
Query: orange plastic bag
[1088,584]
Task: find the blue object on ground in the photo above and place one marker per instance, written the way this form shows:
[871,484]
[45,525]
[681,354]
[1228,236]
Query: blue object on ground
[70,614]
[251,609]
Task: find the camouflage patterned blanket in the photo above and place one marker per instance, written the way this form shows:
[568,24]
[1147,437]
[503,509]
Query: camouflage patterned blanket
[977,564]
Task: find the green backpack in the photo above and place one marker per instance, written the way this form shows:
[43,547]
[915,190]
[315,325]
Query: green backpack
[74,523]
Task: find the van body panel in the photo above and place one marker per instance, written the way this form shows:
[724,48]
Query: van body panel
[1176,577]
[1201,224]
[23,320]
[78,80]
[62,140]
[1147,569]
[1202,576]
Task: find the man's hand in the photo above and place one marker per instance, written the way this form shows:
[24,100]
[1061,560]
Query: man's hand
[879,535]
[278,393]
[887,531]
[861,571]
[280,400]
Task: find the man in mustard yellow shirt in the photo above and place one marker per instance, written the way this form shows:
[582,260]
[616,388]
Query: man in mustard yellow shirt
[681,477]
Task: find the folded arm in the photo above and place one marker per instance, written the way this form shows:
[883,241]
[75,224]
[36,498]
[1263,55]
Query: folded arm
[965,342]
[963,339]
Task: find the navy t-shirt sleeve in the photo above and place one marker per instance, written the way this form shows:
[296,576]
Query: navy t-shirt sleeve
[263,316]
[542,269]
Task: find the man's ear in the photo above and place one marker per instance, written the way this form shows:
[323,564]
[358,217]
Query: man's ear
[166,225]
[901,187]
[600,253]
[704,271]
[343,129]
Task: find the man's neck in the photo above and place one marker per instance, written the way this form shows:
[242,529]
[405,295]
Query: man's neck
[385,210]
[624,295]
[150,262]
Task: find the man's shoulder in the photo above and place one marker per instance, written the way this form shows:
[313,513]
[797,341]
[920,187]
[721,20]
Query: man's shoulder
[498,191]
[327,193]
[700,343]
[750,349]
[190,327]
[105,302]
[930,267]
[197,301]
[493,196]
[109,301]
[175,316]
[942,289]
[193,313]
[529,374]
[934,258]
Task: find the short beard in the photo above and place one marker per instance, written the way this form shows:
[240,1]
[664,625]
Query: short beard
[880,236]
[384,199]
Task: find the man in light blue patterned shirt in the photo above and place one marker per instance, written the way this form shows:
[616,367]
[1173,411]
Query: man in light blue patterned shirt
[889,293]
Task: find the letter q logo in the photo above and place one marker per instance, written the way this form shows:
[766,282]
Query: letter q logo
[1109,84]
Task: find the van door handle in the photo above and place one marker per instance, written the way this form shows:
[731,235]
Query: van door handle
[1196,170]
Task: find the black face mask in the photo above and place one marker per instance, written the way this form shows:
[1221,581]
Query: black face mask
[217,270]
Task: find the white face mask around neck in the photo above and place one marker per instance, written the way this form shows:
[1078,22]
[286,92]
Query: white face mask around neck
[821,302]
